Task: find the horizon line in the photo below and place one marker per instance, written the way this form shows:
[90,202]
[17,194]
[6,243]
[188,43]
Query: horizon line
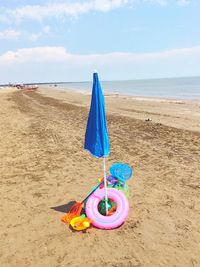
[62,82]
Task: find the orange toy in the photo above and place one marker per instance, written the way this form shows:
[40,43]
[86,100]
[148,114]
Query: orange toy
[75,210]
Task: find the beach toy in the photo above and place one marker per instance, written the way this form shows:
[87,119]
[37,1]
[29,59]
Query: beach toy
[121,171]
[107,222]
[111,207]
[123,187]
[112,180]
[80,223]
[116,183]
[102,206]
[75,210]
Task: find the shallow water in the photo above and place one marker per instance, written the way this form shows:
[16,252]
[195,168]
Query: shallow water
[179,88]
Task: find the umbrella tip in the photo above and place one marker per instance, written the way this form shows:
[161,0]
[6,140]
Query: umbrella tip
[95,71]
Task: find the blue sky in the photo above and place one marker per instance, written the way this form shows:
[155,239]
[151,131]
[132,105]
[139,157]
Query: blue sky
[57,40]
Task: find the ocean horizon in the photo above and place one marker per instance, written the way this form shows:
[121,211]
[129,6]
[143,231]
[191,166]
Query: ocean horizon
[172,88]
[175,88]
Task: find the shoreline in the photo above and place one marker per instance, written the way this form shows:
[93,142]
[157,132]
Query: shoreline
[120,95]
[183,114]
[110,94]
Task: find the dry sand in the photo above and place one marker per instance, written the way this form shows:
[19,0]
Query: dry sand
[44,167]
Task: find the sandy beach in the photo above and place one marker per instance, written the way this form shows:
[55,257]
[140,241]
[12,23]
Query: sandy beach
[44,168]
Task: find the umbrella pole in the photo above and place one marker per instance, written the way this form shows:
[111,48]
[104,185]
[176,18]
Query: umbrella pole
[105,184]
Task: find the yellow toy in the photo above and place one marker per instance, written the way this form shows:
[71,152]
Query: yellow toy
[80,223]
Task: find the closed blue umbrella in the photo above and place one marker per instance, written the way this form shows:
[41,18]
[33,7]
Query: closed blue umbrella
[96,136]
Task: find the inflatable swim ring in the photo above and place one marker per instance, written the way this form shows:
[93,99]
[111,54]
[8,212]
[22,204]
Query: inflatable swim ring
[107,222]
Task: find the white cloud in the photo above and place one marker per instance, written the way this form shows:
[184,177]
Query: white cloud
[40,12]
[15,35]
[160,2]
[72,8]
[166,2]
[106,5]
[49,53]
[9,35]
[36,36]
[183,2]
[46,29]
[36,54]
[57,64]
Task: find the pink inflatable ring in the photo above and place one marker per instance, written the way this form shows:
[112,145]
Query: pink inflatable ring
[107,222]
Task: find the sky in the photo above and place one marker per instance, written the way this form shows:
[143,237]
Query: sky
[57,40]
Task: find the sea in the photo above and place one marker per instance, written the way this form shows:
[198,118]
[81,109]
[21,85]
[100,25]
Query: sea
[170,88]
[173,88]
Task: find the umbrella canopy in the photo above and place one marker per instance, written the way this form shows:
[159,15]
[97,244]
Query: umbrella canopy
[96,136]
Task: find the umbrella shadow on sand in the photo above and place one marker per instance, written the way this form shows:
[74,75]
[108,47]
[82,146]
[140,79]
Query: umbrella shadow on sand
[64,208]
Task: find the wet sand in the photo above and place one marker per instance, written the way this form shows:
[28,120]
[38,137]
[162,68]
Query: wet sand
[44,167]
